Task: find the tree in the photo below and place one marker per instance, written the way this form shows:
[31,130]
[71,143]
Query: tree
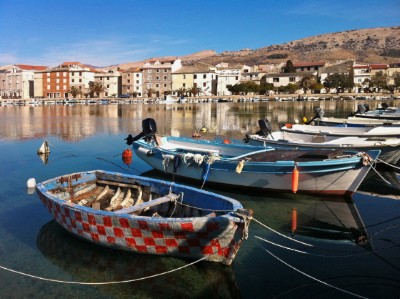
[307,82]
[150,92]
[396,80]
[265,88]
[195,90]
[181,92]
[289,68]
[380,81]
[96,88]
[74,91]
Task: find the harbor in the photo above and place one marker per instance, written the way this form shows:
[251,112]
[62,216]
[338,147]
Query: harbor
[336,247]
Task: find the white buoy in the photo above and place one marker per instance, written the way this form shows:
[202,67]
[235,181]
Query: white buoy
[31,183]
[44,148]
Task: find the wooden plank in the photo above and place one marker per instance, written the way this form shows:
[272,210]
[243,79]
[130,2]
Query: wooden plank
[148,204]
[119,184]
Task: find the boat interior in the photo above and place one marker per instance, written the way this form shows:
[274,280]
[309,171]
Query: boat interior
[124,198]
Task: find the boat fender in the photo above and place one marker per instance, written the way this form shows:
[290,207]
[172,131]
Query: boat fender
[294,220]
[240,166]
[31,183]
[295,180]
[177,162]
[145,151]
[305,120]
[227,141]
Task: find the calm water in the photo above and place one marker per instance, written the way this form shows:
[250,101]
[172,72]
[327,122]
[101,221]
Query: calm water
[355,243]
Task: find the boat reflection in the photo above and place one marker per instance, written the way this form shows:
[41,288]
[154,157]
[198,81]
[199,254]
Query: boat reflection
[89,263]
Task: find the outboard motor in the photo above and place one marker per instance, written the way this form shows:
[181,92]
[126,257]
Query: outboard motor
[384,106]
[149,130]
[265,127]
[318,114]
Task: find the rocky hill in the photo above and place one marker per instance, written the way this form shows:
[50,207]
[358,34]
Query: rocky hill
[376,45]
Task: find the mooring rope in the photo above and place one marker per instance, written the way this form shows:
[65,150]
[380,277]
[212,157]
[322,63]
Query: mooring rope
[105,282]
[120,281]
[311,277]
[391,165]
[280,234]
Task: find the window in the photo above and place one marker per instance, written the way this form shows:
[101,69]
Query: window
[158,71]
[184,76]
[165,77]
[237,78]
[194,76]
[137,75]
[149,71]
[157,78]
[48,86]
[165,85]
[108,85]
[80,73]
[157,85]
[48,79]
[137,81]
[184,85]
[129,81]
[204,84]
[57,87]
[275,80]
[58,74]
[80,80]
[149,78]
[292,79]
[65,87]
[108,78]
[57,80]
[64,74]
[48,74]
[204,76]
[64,80]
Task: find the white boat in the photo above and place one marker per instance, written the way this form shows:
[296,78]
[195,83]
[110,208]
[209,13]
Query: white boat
[384,113]
[379,131]
[248,167]
[389,147]
[355,122]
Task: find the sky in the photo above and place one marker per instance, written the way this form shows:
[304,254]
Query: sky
[104,32]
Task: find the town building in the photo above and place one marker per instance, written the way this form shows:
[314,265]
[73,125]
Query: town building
[132,82]
[17,81]
[157,76]
[111,81]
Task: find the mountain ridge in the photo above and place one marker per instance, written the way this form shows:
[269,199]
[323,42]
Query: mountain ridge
[373,45]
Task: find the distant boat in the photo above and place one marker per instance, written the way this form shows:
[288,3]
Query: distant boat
[146,215]
[368,132]
[390,147]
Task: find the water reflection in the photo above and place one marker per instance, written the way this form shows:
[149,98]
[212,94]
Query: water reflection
[233,120]
[90,263]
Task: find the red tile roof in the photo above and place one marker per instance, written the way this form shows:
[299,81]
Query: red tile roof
[305,64]
[378,66]
[31,67]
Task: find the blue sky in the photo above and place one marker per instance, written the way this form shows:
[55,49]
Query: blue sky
[102,33]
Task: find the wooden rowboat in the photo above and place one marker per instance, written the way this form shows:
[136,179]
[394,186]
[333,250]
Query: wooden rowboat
[146,215]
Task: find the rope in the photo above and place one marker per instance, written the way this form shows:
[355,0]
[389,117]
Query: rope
[282,235]
[391,165]
[309,276]
[106,282]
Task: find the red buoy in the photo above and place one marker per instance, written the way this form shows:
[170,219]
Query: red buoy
[294,220]
[227,141]
[127,153]
[295,180]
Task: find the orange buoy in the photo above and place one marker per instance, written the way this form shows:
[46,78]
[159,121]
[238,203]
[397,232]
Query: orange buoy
[127,153]
[295,180]
[227,141]
[196,135]
[127,160]
[294,220]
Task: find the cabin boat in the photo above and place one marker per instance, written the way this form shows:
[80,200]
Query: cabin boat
[145,215]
